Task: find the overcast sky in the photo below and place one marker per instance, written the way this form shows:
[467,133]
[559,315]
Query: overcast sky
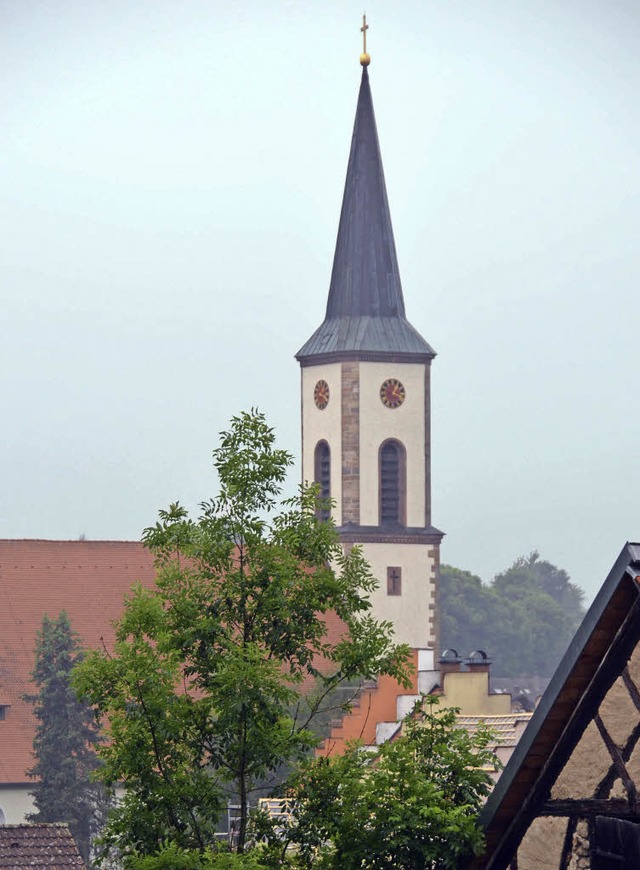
[171,176]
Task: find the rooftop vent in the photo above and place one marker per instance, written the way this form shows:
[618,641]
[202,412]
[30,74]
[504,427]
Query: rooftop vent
[450,662]
[478,661]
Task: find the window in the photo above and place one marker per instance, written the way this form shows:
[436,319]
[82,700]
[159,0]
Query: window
[3,818]
[322,474]
[392,483]
[394,581]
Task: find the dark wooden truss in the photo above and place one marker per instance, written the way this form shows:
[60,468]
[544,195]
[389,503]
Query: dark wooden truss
[597,657]
[601,804]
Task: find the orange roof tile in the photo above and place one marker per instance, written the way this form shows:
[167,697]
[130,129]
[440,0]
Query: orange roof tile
[376,703]
[89,580]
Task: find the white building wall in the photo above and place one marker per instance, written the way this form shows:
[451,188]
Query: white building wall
[326,424]
[16,803]
[378,423]
[410,612]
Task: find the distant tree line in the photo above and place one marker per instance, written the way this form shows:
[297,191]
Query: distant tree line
[524,619]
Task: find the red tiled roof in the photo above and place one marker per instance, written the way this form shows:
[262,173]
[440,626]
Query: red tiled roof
[38,847]
[88,579]
[375,704]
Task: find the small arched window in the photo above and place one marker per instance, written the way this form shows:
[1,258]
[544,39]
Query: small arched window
[322,475]
[392,477]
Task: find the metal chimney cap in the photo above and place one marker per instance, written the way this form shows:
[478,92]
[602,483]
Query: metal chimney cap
[450,656]
[478,657]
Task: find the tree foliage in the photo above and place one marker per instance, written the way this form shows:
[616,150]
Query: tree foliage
[413,803]
[207,687]
[65,740]
[172,857]
[525,618]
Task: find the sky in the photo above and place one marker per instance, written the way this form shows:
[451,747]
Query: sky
[171,177]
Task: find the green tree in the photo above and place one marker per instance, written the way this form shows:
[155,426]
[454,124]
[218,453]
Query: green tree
[65,740]
[207,686]
[466,609]
[172,857]
[411,804]
[531,571]
[525,618]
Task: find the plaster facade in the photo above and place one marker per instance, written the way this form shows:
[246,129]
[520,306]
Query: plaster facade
[469,692]
[405,424]
[323,425]
[16,803]
[355,423]
[412,612]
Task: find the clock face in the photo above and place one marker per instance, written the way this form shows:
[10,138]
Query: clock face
[321,395]
[392,393]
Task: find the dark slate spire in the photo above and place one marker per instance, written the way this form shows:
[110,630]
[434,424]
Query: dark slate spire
[365,314]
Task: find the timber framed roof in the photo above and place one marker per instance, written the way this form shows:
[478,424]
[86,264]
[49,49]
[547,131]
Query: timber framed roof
[596,657]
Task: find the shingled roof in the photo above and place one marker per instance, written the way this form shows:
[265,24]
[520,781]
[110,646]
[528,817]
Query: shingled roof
[365,314]
[38,847]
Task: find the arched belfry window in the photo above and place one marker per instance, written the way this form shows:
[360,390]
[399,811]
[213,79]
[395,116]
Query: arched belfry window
[393,487]
[322,474]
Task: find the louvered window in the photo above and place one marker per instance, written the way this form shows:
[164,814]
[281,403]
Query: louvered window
[323,475]
[392,507]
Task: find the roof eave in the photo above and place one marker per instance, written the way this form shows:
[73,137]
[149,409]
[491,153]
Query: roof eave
[615,606]
[316,359]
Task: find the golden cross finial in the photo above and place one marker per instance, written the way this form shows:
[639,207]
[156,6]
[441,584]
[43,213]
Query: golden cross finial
[365,60]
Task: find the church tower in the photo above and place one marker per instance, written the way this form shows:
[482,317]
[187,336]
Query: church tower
[366,401]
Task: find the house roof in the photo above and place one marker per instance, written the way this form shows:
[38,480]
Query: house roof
[595,658]
[38,847]
[87,579]
[365,310]
[503,727]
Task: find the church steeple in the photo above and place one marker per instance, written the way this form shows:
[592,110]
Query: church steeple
[365,310]
[366,400]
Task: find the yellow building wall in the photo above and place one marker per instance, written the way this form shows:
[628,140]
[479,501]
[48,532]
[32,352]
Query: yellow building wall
[470,692]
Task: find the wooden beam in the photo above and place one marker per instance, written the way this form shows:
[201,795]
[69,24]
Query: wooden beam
[567,846]
[589,808]
[631,688]
[618,761]
[525,799]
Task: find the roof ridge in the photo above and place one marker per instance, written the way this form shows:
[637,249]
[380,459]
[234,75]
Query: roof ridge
[6,826]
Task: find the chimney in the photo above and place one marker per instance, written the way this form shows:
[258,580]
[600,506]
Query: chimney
[478,662]
[450,663]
